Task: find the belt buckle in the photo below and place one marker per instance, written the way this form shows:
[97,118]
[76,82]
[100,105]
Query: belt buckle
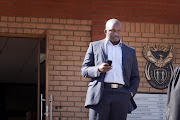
[114,85]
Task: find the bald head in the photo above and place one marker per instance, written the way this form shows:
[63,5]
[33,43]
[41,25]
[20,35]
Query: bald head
[112,22]
[113,31]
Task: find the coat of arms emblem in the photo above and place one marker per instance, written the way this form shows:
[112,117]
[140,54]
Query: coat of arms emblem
[159,68]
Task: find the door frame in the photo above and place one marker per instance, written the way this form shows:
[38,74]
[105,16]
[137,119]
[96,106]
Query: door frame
[39,38]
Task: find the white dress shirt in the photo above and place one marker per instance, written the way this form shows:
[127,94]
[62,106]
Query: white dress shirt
[114,52]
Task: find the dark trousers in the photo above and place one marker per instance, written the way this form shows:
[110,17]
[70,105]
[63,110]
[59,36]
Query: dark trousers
[112,106]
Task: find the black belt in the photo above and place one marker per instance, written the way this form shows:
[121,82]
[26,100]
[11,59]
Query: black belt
[113,85]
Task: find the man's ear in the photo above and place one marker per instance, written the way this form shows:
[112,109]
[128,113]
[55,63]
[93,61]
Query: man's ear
[105,31]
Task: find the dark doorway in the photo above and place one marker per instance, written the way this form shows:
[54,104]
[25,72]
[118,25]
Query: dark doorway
[19,78]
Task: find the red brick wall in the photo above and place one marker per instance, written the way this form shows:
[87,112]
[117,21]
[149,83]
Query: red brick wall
[68,42]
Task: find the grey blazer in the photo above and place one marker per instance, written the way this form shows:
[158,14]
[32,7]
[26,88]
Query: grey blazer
[173,101]
[95,56]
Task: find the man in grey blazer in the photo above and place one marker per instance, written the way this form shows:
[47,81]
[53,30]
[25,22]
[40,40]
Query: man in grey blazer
[173,102]
[111,86]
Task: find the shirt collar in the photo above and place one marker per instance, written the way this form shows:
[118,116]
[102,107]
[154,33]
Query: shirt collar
[108,42]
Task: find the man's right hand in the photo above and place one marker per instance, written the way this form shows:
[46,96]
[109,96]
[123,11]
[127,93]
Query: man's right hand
[104,67]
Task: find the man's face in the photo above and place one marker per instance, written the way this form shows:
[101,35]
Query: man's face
[113,32]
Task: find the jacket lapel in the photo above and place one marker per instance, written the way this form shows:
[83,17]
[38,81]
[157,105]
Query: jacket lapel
[103,50]
[124,55]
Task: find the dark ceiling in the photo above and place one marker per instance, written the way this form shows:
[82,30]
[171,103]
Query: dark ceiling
[18,60]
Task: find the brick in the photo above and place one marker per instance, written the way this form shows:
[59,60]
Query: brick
[147,27]
[60,27]
[4,29]
[79,104]
[54,93]
[135,34]
[60,78]
[81,33]
[54,52]
[80,83]
[168,40]
[177,41]
[74,88]
[84,28]
[12,19]
[161,35]
[43,26]
[60,57]
[152,28]
[3,24]
[13,24]
[67,114]
[67,83]
[143,89]
[157,28]
[27,31]
[70,21]
[162,28]
[171,28]
[60,67]
[19,30]
[73,48]
[174,36]
[12,30]
[54,62]
[88,39]
[19,19]
[166,28]
[66,93]
[48,20]
[41,20]
[66,62]
[135,44]
[60,37]
[73,58]
[60,88]
[142,27]
[53,72]
[63,21]
[147,35]
[74,109]
[60,47]
[86,22]
[77,22]
[55,20]
[66,53]
[125,34]
[176,29]
[133,28]
[66,42]
[67,73]
[71,27]
[62,98]
[81,43]
[54,42]
[34,20]
[66,32]
[26,19]
[4,18]
[138,27]
[81,114]
[79,53]
[29,25]
[73,38]
[75,68]
[123,26]
[142,39]
[128,27]
[128,39]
